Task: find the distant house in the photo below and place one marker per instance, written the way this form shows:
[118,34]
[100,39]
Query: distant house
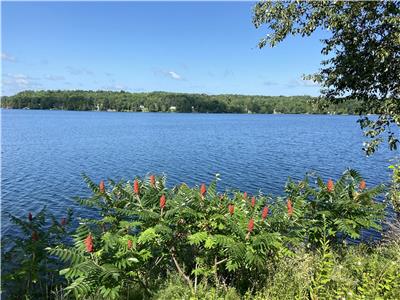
[172,108]
[143,108]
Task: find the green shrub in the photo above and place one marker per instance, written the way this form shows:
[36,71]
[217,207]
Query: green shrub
[394,194]
[27,268]
[348,207]
[149,241]
[146,231]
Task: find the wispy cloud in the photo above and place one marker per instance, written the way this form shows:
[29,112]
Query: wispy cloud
[7,57]
[174,75]
[19,81]
[228,73]
[169,74]
[79,71]
[115,87]
[301,83]
[54,77]
[270,83]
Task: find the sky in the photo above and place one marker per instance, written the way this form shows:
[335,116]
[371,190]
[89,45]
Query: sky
[196,47]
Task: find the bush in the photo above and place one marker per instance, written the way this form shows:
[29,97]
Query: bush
[27,268]
[147,231]
[394,195]
[149,241]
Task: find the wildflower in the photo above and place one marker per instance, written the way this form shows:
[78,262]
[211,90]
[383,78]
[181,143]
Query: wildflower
[30,217]
[264,213]
[162,201]
[203,189]
[129,244]
[136,186]
[152,180]
[231,209]
[363,185]
[101,186]
[89,243]
[250,227]
[245,195]
[35,236]
[253,201]
[330,185]
[63,221]
[289,207]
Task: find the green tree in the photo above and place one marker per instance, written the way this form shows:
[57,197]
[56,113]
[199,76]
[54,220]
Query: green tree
[362,50]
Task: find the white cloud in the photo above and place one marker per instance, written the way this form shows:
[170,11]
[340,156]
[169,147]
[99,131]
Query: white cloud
[79,71]
[54,77]
[7,57]
[19,81]
[115,87]
[169,74]
[174,75]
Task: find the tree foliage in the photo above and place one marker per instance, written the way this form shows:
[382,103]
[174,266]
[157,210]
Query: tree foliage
[362,50]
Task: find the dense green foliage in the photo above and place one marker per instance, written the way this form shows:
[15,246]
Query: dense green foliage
[26,267]
[394,194]
[362,50]
[164,102]
[360,272]
[153,242]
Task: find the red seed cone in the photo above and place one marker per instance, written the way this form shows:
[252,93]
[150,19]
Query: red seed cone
[152,180]
[363,185]
[330,185]
[129,244]
[136,186]
[63,222]
[231,209]
[264,213]
[253,201]
[102,186]
[89,243]
[245,195]
[289,207]
[30,217]
[162,201]
[35,236]
[250,226]
[203,189]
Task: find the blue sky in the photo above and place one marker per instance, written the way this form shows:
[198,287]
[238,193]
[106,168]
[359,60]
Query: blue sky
[200,47]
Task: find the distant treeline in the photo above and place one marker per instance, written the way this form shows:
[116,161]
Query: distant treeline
[170,102]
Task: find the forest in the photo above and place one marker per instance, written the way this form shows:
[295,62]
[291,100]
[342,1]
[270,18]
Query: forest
[174,102]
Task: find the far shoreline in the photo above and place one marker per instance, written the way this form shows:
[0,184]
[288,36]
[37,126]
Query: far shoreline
[181,113]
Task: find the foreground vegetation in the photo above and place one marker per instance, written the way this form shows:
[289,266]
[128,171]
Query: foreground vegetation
[151,242]
[179,102]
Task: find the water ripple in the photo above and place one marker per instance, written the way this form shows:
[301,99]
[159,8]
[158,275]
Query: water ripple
[45,152]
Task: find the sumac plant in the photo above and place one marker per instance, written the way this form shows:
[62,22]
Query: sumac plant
[28,270]
[347,205]
[146,231]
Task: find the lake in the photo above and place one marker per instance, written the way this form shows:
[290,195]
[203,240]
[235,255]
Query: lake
[45,152]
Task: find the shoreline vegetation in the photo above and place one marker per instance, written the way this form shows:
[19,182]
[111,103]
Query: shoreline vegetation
[80,100]
[151,242]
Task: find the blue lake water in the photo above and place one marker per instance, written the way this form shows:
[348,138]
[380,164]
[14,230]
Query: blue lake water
[45,152]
